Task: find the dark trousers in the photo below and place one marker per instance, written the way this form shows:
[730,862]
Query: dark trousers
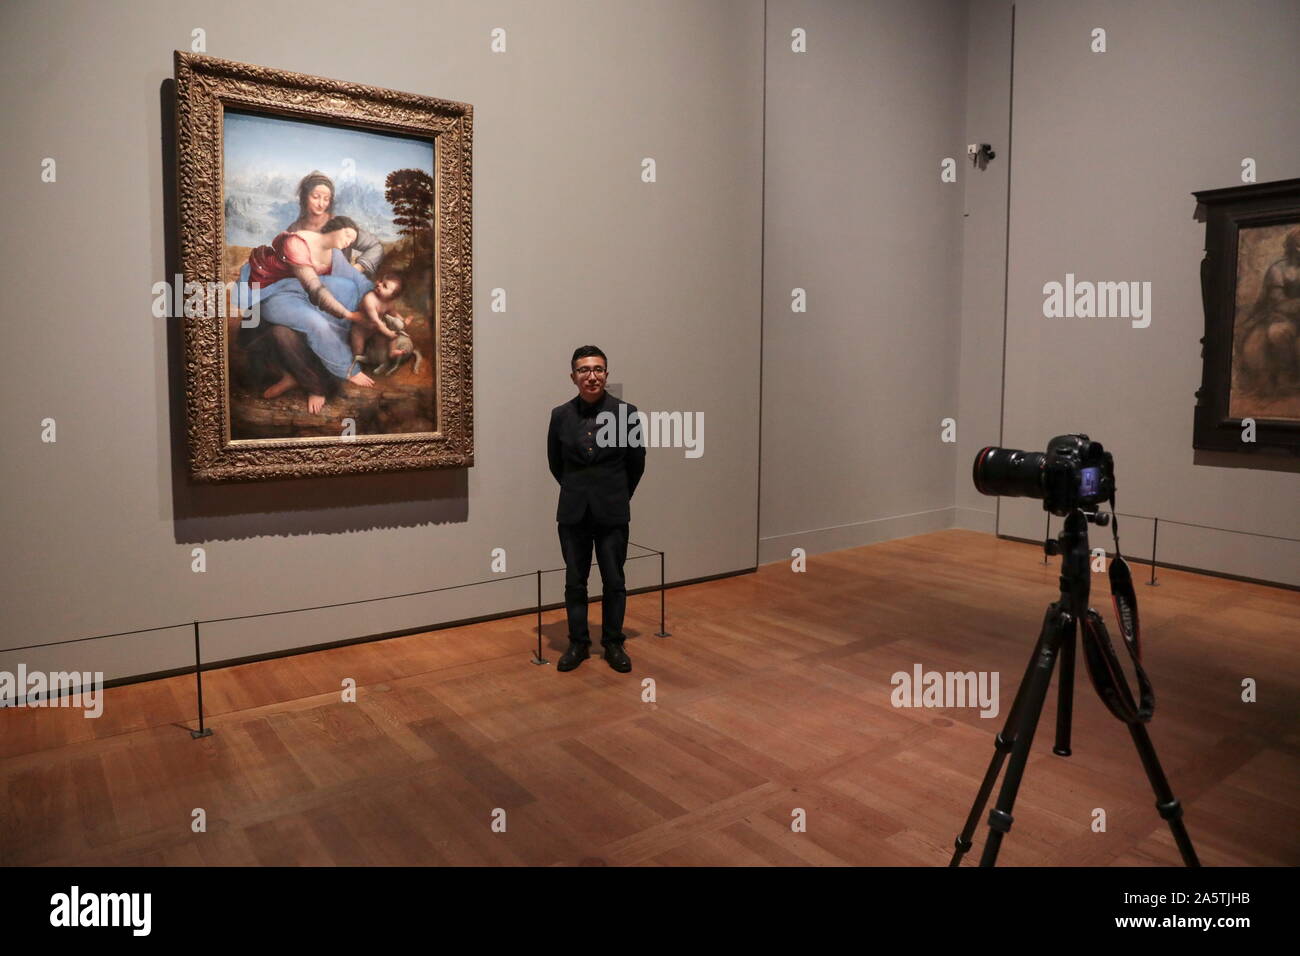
[610,543]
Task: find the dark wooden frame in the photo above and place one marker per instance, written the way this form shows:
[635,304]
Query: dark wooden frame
[207,86]
[1225,212]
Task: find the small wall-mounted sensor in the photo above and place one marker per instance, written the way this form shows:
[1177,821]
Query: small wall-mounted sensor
[980,154]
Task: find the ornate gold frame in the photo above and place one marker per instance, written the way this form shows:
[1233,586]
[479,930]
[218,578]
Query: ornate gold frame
[205,87]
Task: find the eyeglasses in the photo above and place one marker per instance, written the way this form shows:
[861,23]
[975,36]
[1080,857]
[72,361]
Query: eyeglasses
[587,370]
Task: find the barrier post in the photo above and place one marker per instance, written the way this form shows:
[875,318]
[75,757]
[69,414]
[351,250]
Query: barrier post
[1155,531]
[537,657]
[198,678]
[663,632]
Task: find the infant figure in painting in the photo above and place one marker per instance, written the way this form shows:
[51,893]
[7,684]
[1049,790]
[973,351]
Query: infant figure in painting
[374,305]
[387,355]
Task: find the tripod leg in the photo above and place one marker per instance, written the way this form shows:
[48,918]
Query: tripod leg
[1166,803]
[1002,744]
[1065,695]
[1055,625]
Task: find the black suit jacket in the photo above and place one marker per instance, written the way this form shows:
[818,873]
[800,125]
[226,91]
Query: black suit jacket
[603,478]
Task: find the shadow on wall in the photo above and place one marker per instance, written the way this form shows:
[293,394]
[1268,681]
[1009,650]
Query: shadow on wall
[327,505]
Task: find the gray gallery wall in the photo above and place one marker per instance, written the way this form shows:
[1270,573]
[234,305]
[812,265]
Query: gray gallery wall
[855,388]
[909,315]
[824,177]
[99,527]
[1107,148]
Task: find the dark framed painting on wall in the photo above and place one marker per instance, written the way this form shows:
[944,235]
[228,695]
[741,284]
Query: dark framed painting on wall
[325,237]
[1249,399]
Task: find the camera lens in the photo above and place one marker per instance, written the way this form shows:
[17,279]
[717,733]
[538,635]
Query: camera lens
[1009,472]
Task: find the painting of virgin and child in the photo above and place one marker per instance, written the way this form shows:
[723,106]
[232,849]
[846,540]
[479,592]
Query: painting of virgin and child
[329,232]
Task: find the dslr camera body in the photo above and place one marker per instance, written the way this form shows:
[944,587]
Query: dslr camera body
[1074,472]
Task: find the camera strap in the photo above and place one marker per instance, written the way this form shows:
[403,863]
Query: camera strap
[1099,653]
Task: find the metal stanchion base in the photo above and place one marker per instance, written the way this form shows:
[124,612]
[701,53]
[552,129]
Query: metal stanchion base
[663,633]
[205,732]
[539,660]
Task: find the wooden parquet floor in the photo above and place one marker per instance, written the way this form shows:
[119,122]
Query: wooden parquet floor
[771,697]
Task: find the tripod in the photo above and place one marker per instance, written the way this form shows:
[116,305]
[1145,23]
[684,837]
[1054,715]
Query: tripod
[1057,637]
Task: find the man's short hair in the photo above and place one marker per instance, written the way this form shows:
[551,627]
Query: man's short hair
[586,351]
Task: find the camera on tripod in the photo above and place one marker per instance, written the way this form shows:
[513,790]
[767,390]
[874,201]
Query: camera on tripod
[1072,477]
[1074,472]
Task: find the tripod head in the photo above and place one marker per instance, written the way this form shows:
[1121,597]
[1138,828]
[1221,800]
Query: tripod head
[1071,543]
[1076,584]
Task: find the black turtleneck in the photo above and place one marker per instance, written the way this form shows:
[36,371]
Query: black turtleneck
[590,409]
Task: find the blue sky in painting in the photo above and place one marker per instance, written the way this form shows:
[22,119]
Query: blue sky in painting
[265,157]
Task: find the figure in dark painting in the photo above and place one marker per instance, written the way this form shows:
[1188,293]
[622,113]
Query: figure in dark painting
[1268,340]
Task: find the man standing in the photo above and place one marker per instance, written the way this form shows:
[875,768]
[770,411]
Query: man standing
[597,479]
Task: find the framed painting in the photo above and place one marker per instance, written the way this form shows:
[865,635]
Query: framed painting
[325,249]
[1249,399]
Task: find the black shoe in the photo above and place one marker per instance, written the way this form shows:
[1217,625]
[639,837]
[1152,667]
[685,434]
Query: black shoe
[578,652]
[618,658]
